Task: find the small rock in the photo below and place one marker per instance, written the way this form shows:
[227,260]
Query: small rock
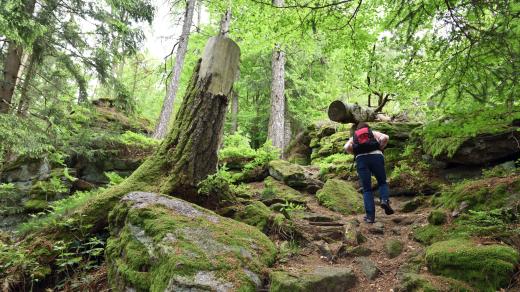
[352,234]
[325,251]
[368,267]
[462,207]
[396,230]
[360,251]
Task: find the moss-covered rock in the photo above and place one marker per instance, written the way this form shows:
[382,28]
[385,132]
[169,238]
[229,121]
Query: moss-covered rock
[410,282]
[291,174]
[162,243]
[255,214]
[326,279]
[481,194]
[486,267]
[340,196]
[277,192]
[437,217]
[393,248]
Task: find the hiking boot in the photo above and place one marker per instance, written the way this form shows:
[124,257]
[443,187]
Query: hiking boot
[386,206]
[368,220]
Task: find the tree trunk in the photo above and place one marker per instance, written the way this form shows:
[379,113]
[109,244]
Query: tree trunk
[234,112]
[12,63]
[23,105]
[166,112]
[276,129]
[350,113]
[188,153]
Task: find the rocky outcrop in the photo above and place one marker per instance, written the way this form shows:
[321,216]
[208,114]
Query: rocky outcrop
[324,279]
[160,243]
[486,148]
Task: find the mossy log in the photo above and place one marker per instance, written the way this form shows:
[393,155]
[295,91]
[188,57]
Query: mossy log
[188,154]
[350,113]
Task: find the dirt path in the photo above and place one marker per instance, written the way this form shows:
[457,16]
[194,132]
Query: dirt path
[397,226]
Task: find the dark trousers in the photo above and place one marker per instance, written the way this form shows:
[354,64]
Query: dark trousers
[366,166]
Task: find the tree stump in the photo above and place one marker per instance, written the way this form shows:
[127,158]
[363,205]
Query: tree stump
[188,154]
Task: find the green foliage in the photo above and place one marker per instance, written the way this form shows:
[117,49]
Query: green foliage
[263,156]
[114,178]
[236,145]
[291,207]
[58,215]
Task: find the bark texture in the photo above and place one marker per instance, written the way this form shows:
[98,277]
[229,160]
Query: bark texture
[166,112]
[188,154]
[350,113]
[276,131]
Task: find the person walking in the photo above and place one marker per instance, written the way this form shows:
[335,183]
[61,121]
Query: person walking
[366,146]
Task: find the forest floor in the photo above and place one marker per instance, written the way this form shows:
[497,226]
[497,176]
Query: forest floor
[387,227]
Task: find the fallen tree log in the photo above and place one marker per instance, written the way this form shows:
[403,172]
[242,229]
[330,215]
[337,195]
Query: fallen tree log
[350,113]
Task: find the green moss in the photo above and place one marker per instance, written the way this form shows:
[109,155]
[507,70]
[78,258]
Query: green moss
[255,214]
[340,196]
[428,234]
[481,194]
[429,283]
[276,191]
[487,267]
[437,217]
[35,205]
[393,248]
[165,244]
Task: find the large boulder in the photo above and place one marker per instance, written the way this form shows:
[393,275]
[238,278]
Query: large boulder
[340,196]
[161,243]
[323,279]
[487,267]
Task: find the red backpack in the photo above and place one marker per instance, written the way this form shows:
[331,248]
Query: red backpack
[364,141]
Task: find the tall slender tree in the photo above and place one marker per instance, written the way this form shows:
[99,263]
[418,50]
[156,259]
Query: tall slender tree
[167,109]
[276,130]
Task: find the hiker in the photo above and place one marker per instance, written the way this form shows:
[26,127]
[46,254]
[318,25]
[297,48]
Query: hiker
[366,146]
